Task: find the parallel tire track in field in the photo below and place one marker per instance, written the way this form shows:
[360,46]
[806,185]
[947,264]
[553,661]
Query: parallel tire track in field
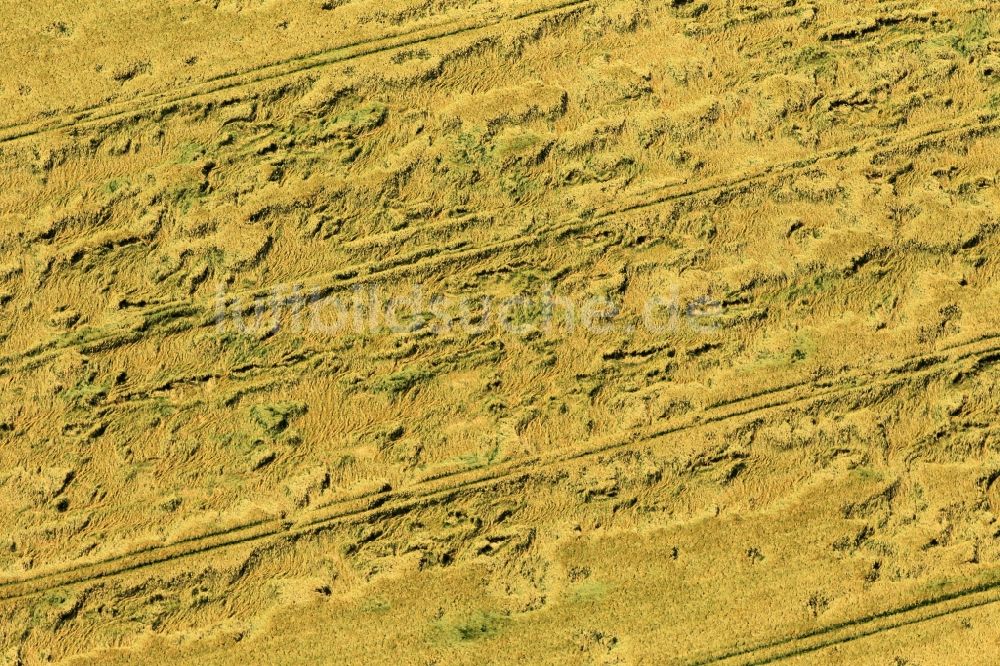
[203,312]
[371,507]
[879,146]
[146,102]
[924,610]
[151,102]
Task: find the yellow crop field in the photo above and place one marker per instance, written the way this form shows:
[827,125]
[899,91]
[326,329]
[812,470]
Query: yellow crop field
[499,331]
